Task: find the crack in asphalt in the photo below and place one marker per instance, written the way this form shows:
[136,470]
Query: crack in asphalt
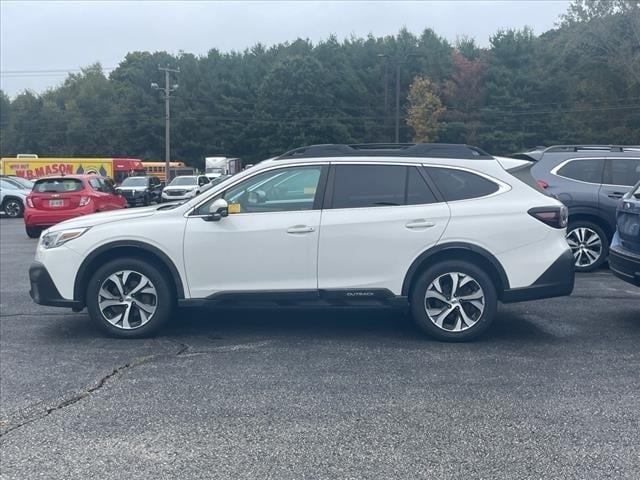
[70,399]
[183,350]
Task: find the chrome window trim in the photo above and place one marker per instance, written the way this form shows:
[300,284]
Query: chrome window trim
[554,170]
[188,213]
[503,187]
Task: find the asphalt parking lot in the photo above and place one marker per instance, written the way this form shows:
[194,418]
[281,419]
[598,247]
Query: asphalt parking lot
[551,391]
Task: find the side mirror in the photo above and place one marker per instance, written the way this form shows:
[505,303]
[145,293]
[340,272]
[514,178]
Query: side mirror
[118,192]
[218,209]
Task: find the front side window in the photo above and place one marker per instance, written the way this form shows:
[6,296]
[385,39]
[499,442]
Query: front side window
[624,171]
[282,190]
[457,184]
[589,170]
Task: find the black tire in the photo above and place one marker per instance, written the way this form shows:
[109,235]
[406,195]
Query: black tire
[13,207]
[482,319]
[604,242]
[164,302]
[33,232]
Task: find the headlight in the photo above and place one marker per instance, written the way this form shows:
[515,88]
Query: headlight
[55,239]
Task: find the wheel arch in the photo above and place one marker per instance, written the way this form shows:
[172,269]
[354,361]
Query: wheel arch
[593,216]
[457,251]
[131,248]
[11,197]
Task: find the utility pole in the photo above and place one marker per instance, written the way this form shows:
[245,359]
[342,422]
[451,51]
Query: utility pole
[398,101]
[399,61]
[167,90]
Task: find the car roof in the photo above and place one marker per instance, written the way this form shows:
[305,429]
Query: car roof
[84,176]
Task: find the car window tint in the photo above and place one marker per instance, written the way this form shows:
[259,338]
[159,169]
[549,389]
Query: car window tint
[95,184]
[589,170]
[282,190]
[58,185]
[457,184]
[418,192]
[7,185]
[357,186]
[624,171]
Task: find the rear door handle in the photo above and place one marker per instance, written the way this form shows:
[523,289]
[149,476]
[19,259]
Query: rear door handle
[419,224]
[300,229]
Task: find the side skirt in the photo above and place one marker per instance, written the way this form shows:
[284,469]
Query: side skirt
[357,298]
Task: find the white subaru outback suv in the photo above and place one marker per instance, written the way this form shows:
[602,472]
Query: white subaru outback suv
[441,229]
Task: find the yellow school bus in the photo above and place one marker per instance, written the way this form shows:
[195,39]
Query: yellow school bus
[157,169]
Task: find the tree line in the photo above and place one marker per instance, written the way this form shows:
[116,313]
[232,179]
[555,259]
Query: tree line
[577,83]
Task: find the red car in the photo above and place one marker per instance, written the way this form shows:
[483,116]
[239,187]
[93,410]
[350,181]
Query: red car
[54,199]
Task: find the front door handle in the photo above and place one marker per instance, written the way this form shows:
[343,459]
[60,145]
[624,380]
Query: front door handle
[419,224]
[300,229]
[615,195]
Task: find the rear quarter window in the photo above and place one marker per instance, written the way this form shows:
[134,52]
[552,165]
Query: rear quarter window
[58,185]
[457,184]
[589,170]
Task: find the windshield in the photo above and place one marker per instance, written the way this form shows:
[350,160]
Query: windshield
[57,185]
[135,182]
[22,181]
[184,181]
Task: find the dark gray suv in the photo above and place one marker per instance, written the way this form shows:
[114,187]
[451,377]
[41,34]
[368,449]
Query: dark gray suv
[590,180]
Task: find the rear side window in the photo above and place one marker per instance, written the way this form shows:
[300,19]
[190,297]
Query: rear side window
[58,185]
[457,184]
[360,186]
[589,170]
[623,171]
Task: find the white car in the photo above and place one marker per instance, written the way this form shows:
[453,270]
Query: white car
[12,197]
[184,187]
[443,230]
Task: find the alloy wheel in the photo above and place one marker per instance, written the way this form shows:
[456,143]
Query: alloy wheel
[454,301]
[586,246]
[12,208]
[127,299]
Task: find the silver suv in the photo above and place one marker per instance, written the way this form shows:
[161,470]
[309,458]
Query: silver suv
[590,180]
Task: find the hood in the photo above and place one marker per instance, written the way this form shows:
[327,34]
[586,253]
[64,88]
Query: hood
[181,187]
[105,217]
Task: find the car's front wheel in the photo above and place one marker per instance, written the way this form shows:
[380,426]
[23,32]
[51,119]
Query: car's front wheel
[454,301]
[589,244]
[33,232]
[129,298]
[13,208]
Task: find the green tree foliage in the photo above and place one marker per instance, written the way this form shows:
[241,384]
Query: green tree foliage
[425,110]
[579,82]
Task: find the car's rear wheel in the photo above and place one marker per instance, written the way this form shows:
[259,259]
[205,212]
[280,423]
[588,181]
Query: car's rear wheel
[453,301]
[589,244]
[13,208]
[33,232]
[129,298]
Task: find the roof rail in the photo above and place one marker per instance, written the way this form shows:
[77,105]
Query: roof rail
[434,150]
[577,148]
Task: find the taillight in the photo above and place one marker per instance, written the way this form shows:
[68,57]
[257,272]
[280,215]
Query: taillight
[542,184]
[555,217]
[30,202]
[84,201]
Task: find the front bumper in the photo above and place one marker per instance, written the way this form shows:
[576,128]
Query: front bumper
[624,264]
[44,292]
[556,281]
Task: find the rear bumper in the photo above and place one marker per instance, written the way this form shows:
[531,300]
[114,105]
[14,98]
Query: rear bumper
[556,281]
[624,264]
[38,218]
[44,292]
